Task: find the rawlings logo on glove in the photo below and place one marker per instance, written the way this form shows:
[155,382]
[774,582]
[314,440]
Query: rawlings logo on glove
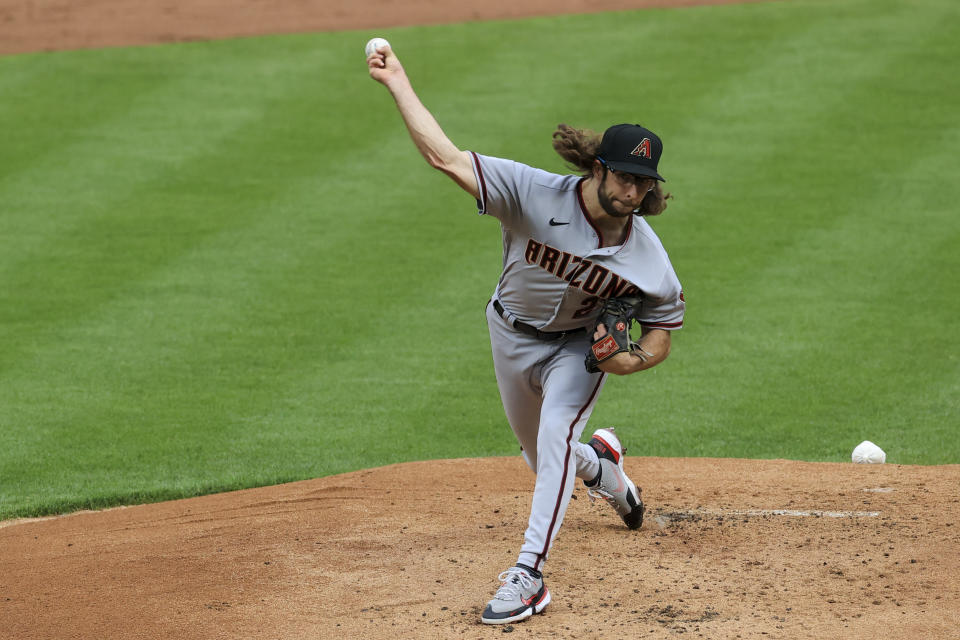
[616,315]
[605,347]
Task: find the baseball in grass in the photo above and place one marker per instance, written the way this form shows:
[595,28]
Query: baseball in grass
[374,44]
[868,453]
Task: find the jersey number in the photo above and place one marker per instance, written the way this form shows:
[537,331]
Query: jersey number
[586,307]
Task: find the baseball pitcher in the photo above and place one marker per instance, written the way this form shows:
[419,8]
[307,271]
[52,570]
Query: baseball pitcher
[580,265]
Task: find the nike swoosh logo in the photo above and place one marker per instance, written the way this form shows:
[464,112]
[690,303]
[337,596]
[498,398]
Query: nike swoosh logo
[554,223]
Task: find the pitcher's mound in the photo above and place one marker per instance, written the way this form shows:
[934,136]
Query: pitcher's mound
[729,549]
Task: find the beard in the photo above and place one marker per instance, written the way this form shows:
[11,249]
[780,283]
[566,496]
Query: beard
[607,202]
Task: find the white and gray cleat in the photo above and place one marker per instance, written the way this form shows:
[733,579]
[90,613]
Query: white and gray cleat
[521,595]
[613,485]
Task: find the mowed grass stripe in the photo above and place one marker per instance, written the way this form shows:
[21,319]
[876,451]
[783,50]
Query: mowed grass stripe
[123,228]
[223,175]
[125,197]
[57,100]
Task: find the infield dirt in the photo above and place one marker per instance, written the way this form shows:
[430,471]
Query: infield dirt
[730,548]
[40,25]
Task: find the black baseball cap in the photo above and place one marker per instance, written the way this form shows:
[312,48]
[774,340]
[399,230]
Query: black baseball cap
[632,149]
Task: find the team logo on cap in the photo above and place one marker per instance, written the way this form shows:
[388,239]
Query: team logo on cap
[642,149]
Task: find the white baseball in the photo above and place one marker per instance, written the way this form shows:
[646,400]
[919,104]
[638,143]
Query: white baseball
[374,44]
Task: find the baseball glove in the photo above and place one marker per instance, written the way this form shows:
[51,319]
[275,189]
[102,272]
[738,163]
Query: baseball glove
[616,314]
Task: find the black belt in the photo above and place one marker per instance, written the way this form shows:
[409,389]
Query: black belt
[531,330]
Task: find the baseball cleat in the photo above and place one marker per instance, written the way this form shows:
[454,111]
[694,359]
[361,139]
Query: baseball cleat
[613,484]
[520,596]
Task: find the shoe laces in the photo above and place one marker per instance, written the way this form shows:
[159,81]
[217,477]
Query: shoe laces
[598,493]
[514,582]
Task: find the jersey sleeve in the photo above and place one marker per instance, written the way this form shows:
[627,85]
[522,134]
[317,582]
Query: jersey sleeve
[664,309]
[503,184]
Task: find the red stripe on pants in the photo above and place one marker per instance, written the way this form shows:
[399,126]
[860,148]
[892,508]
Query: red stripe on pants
[566,465]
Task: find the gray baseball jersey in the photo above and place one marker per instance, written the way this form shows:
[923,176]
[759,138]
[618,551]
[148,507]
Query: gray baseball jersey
[555,272]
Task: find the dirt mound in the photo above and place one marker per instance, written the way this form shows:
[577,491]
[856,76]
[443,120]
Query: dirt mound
[729,549]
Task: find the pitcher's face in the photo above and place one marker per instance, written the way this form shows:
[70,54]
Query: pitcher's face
[620,193]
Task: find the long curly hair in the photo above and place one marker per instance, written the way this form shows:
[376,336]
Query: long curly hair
[578,147]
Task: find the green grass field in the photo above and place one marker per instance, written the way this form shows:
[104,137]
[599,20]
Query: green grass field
[223,264]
